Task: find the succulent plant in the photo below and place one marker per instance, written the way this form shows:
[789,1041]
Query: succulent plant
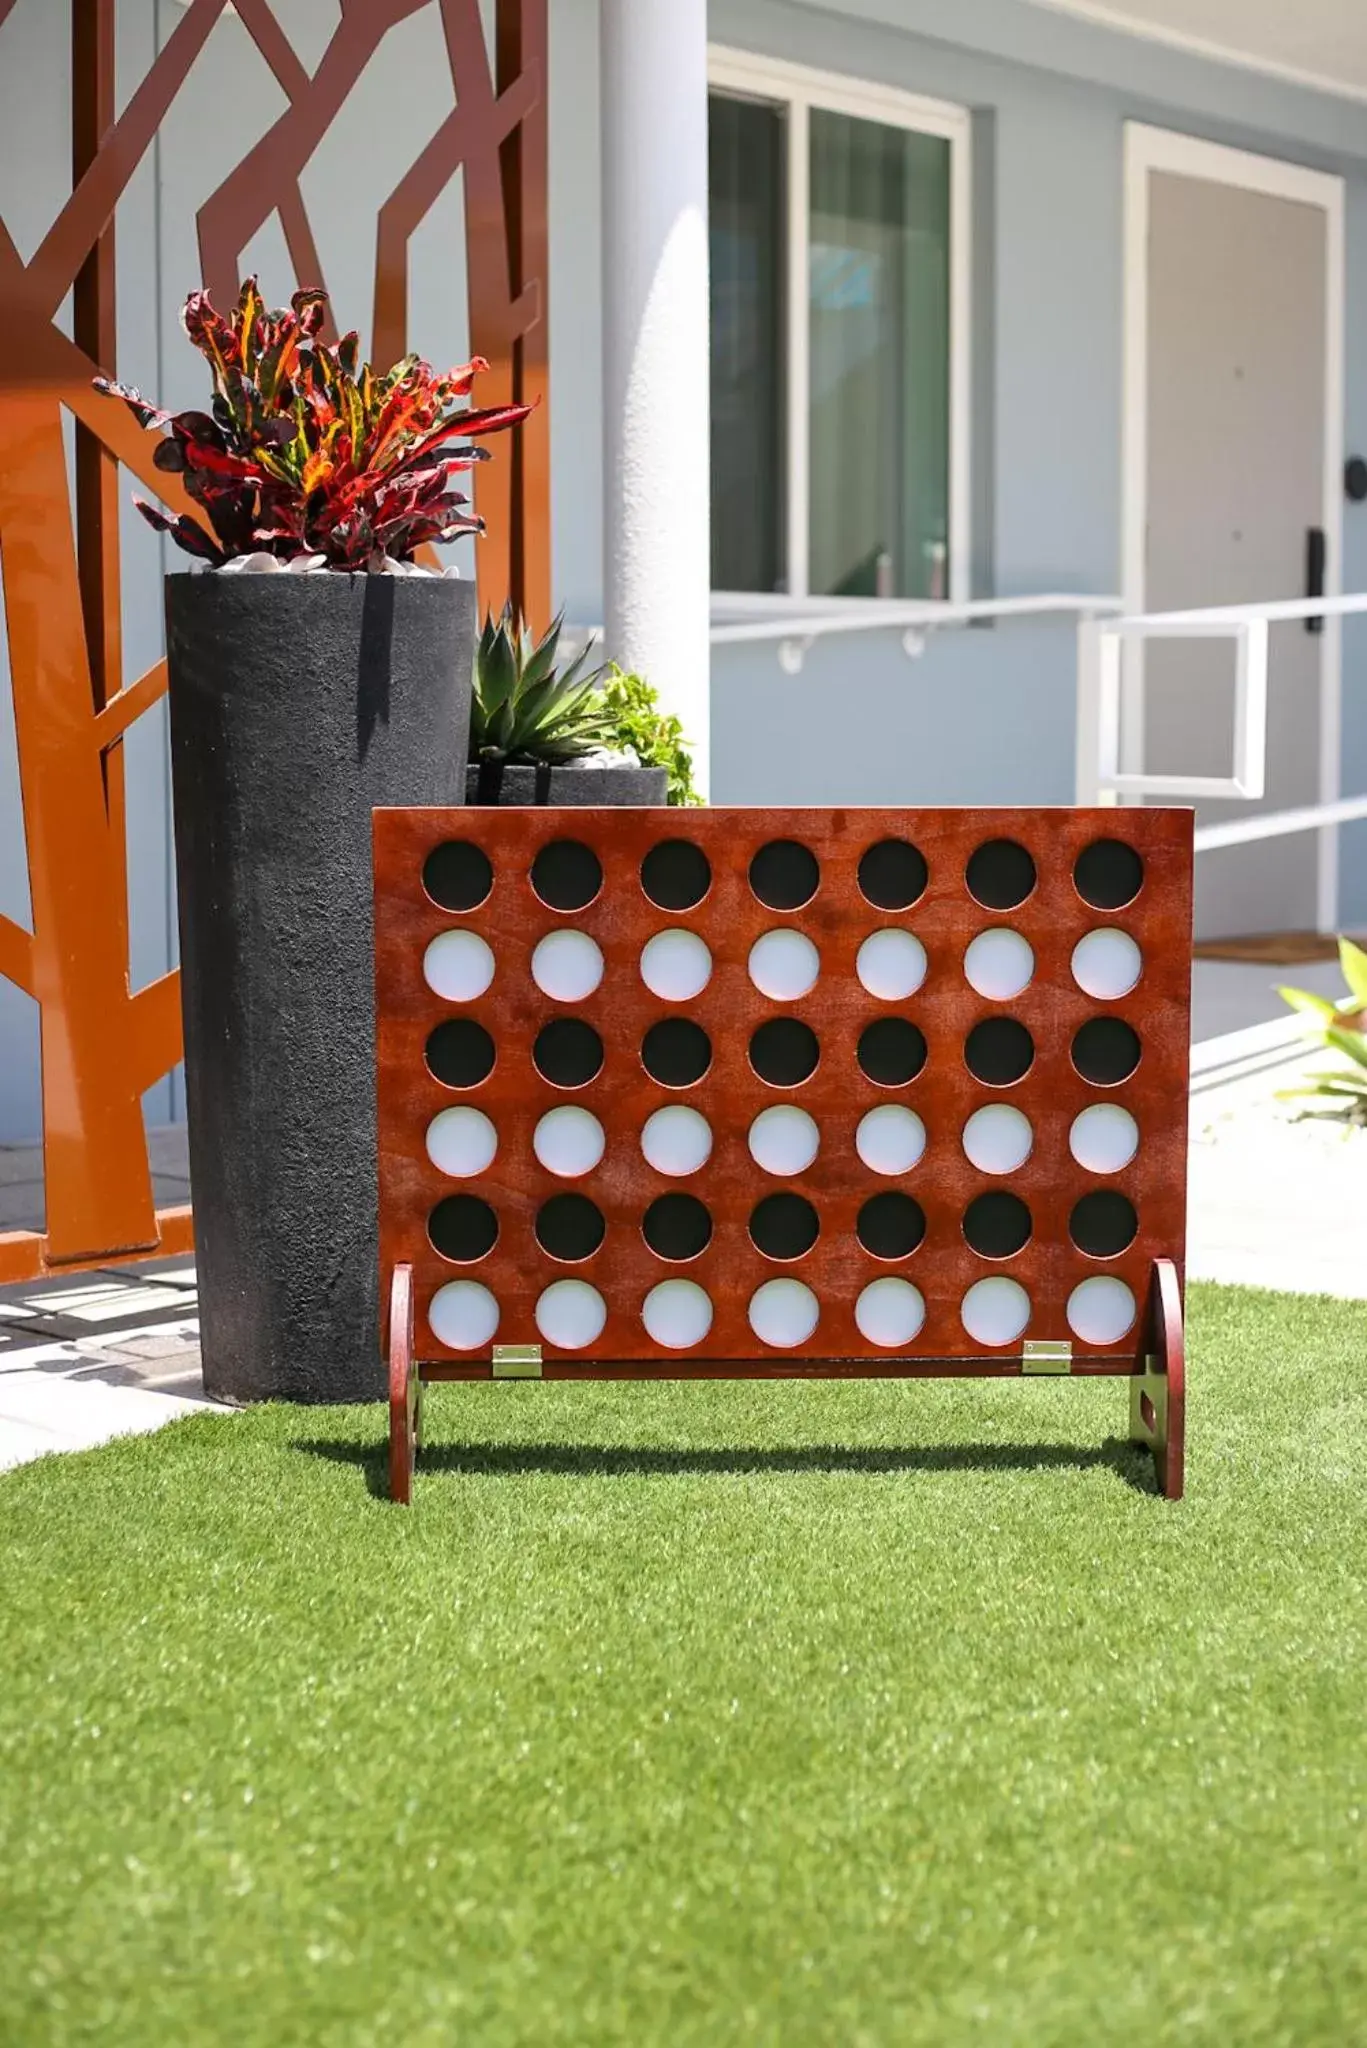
[305,453]
[525,708]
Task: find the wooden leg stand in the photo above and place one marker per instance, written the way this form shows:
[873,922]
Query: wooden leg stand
[405,1388]
[1158,1390]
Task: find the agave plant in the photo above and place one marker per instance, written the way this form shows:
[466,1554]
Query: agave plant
[1342,1027]
[307,453]
[525,708]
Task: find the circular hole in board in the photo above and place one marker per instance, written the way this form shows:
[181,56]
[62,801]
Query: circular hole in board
[889,1313]
[784,1140]
[458,966]
[568,1052]
[457,875]
[1106,1051]
[567,966]
[785,1052]
[676,874]
[677,1314]
[568,1142]
[892,1051]
[1107,964]
[1101,1310]
[677,1227]
[676,966]
[677,1140]
[1104,1138]
[784,965]
[999,1052]
[999,964]
[890,1226]
[569,1228]
[462,1228]
[996,1311]
[567,875]
[463,1315]
[460,1053]
[1000,875]
[891,965]
[997,1226]
[1103,1224]
[783,1313]
[890,1139]
[1108,874]
[571,1314]
[892,874]
[784,1226]
[785,874]
[998,1139]
[461,1143]
[676,1052]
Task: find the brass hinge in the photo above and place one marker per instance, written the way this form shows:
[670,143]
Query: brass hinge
[1054,1355]
[517,1361]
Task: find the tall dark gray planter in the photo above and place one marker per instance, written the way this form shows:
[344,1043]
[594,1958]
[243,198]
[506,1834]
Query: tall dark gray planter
[297,703]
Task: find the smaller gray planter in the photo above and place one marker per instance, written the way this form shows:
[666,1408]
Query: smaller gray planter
[583,788]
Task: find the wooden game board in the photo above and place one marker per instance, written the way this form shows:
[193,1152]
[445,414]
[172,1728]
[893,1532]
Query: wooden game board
[777,1092]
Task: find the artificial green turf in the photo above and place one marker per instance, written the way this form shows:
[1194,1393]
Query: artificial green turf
[772,1713]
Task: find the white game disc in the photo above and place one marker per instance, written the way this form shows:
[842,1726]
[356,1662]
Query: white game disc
[458,966]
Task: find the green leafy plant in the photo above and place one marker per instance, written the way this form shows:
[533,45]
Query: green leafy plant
[1340,1027]
[638,726]
[525,709]
[309,452]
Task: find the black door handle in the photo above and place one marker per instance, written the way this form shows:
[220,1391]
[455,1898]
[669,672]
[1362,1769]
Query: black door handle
[1314,572]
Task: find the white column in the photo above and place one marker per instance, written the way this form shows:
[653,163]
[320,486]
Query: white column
[656,546]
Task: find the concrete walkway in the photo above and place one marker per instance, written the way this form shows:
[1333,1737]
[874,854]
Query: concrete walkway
[97,1355]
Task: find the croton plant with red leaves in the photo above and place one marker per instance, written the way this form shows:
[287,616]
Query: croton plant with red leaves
[307,454]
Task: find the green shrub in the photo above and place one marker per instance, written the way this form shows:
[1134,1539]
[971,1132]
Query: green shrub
[1342,1093]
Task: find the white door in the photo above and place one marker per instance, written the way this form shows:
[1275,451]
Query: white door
[1238,489]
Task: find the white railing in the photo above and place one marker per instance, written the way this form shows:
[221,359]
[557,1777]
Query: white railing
[1109,700]
[1108,689]
[1110,725]
[795,623]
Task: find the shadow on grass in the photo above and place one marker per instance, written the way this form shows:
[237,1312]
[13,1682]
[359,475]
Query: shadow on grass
[1130,1462]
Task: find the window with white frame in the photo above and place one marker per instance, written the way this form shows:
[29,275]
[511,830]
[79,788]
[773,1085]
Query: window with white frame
[839,336]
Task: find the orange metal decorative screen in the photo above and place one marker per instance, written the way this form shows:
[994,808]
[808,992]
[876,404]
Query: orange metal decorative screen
[102,1045]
